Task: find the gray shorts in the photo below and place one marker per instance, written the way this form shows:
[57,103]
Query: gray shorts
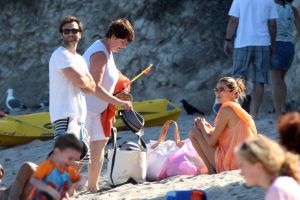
[258,56]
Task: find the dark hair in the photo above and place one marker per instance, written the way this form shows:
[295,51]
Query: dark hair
[235,84]
[289,131]
[122,29]
[66,141]
[70,19]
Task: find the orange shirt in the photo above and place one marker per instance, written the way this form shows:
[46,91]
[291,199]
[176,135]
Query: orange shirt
[51,173]
[230,137]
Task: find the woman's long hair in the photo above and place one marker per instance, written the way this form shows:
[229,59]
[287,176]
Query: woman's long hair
[275,160]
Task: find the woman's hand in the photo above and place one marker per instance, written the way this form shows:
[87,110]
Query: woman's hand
[126,105]
[202,125]
[124,96]
[198,122]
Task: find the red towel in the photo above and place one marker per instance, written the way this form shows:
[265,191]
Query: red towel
[108,115]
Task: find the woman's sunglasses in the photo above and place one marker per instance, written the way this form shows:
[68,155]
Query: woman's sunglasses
[221,89]
[68,31]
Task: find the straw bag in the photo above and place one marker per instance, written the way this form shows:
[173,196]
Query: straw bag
[170,158]
[128,163]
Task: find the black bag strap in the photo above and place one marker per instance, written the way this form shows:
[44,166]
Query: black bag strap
[114,144]
[141,142]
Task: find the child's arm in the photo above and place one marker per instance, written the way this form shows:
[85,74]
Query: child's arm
[78,185]
[44,187]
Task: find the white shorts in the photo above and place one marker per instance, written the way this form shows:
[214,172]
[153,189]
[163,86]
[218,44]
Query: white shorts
[94,127]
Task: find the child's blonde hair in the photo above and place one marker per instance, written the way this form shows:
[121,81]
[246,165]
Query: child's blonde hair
[275,160]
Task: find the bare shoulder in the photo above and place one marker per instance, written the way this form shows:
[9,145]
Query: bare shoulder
[97,60]
[99,56]
[226,110]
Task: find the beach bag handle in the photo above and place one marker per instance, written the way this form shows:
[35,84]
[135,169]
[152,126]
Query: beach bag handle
[163,134]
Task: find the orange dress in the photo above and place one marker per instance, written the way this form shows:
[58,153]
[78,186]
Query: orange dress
[230,137]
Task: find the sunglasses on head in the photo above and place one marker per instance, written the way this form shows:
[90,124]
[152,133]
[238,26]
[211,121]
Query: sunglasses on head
[245,147]
[68,31]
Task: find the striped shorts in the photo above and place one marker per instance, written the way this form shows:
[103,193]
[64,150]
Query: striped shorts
[72,126]
[258,57]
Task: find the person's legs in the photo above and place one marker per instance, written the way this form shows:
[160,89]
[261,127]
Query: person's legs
[205,151]
[280,63]
[279,91]
[98,142]
[4,192]
[257,97]
[97,157]
[260,72]
[19,186]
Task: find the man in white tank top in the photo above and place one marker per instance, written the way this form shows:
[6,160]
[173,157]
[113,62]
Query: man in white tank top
[99,57]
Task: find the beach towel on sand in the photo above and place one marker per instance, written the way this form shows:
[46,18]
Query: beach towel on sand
[245,129]
[186,195]
[108,115]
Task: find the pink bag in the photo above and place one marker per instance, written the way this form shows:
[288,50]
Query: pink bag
[171,158]
[184,161]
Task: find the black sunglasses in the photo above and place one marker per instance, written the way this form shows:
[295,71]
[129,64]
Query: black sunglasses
[68,31]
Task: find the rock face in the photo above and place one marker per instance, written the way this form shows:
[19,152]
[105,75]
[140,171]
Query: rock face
[182,38]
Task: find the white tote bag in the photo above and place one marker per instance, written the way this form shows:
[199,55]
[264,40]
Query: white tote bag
[127,164]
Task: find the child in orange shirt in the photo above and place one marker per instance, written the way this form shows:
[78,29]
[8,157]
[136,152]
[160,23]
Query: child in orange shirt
[56,177]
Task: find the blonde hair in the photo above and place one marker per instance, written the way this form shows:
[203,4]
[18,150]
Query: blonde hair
[275,160]
[237,85]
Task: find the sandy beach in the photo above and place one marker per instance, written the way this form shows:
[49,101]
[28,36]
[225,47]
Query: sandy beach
[223,186]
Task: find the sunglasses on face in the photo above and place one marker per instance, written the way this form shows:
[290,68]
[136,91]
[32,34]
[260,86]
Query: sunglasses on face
[221,89]
[68,31]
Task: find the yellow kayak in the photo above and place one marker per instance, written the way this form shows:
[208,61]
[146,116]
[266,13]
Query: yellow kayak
[21,129]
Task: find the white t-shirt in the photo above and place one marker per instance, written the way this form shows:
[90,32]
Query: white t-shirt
[66,100]
[109,81]
[253,17]
[283,188]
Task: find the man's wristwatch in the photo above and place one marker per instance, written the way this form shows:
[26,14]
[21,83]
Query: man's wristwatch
[228,39]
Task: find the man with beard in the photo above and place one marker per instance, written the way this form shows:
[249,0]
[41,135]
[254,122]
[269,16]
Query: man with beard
[69,79]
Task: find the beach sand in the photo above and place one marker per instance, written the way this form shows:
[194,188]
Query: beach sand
[223,186]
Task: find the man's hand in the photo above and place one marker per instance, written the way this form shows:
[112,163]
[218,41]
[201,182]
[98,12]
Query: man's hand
[228,48]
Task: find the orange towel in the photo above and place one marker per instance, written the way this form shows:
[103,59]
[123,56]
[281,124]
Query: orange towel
[245,129]
[108,115]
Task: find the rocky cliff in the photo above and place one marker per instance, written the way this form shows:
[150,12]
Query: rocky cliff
[182,38]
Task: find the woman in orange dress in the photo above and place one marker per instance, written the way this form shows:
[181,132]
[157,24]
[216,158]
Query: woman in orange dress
[215,145]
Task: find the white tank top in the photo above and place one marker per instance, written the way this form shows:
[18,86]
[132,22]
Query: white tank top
[109,81]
